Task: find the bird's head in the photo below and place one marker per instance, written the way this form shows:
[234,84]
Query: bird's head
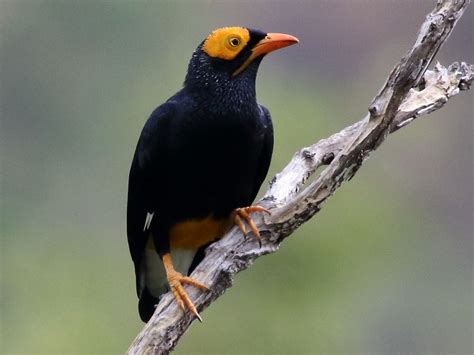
[232,54]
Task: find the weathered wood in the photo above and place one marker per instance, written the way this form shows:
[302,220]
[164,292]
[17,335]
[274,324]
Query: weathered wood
[410,92]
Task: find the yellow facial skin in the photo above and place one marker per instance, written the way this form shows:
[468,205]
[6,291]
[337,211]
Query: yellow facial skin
[226,43]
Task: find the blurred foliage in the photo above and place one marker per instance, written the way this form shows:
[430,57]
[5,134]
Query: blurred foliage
[385,267]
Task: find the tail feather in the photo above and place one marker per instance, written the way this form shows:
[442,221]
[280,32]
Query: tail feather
[146,305]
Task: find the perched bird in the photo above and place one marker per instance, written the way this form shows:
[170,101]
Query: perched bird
[199,163]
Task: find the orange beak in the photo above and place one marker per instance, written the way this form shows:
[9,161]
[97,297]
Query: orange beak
[270,43]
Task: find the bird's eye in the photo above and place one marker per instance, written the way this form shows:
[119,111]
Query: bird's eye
[234,41]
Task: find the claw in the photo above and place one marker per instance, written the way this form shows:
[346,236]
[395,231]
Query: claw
[176,281]
[241,225]
[190,281]
[251,209]
[244,213]
[198,316]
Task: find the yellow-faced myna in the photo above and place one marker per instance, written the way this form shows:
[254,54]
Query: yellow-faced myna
[199,162]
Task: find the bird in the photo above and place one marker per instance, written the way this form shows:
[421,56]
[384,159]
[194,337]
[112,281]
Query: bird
[198,165]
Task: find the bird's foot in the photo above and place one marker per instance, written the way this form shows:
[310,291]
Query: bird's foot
[176,281]
[243,214]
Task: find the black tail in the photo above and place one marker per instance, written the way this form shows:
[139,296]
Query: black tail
[146,305]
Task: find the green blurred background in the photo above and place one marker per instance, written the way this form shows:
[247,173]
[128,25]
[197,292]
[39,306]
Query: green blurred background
[385,267]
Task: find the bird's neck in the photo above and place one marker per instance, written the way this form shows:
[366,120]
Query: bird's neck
[220,92]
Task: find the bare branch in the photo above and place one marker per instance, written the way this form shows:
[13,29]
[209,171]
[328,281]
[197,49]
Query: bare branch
[410,92]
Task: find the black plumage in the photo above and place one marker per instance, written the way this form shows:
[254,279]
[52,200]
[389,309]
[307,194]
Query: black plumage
[202,154]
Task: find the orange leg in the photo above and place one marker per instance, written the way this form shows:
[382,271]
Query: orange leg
[244,214]
[175,280]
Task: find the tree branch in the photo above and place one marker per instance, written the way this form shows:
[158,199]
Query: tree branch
[410,92]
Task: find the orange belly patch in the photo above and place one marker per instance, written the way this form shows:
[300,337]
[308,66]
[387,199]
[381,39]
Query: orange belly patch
[195,233]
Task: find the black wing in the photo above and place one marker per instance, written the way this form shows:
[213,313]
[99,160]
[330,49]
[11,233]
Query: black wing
[262,169]
[266,152]
[145,180]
